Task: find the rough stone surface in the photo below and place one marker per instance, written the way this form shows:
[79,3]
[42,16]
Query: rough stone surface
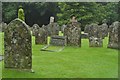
[17,45]
[95,36]
[113,35]
[104,30]
[86,29]
[35,29]
[53,29]
[63,28]
[73,34]
[3,26]
[41,36]
[58,40]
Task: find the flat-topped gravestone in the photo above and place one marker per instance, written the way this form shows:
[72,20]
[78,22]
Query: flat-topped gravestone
[41,36]
[95,37]
[57,44]
[35,29]
[73,34]
[113,35]
[1,58]
[17,46]
[58,40]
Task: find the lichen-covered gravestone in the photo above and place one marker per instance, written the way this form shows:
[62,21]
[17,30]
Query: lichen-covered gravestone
[73,34]
[87,28]
[95,37]
[113,35]
[3,26]
[104,30]
[35,29]
[52,27]
[17,46]
[41,36]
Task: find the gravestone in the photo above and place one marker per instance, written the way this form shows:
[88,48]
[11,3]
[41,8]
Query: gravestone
[52,27]
[3,26]
[17,46]
[95,37]
[58,40]
[104,30]
[35,29]
[87,28]
[73,34]
[63,27]
[113,35]
[41,36]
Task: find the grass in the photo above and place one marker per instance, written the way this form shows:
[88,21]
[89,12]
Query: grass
[72,62]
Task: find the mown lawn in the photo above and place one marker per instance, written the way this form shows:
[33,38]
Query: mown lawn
[72,62]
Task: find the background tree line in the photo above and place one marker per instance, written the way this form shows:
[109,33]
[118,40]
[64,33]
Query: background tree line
[40,12]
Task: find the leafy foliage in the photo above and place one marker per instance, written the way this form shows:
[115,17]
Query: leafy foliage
[40,12]
[21,14]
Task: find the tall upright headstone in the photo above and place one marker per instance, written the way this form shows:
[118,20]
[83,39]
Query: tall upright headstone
[73,33]
[113,35]
[17,45]
[95,37]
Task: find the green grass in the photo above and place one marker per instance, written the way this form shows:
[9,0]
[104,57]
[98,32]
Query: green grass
[72,62]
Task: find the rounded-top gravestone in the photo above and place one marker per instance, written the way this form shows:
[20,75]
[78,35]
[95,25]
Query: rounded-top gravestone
[17,45]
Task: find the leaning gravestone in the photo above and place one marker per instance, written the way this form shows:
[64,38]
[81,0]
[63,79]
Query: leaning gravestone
[73,34]
[18,50]
[41,36]
[63,28]
[113,35]
[35,29]
[95,37]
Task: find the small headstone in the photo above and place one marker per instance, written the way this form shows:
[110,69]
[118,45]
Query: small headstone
[35,29]
[58,40]
[95,37]
[17,45]
[41,36]
[113,35]
[73,34]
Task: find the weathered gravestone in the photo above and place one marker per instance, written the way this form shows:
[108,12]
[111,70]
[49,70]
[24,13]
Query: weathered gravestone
[57,44]
[3,26]
[113,35]
[87,28]
[35,29]
[73,34]
[52,27]
[104,30]
[17,46]
[63,28]
[58,40]
[41,36]
[95,37]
